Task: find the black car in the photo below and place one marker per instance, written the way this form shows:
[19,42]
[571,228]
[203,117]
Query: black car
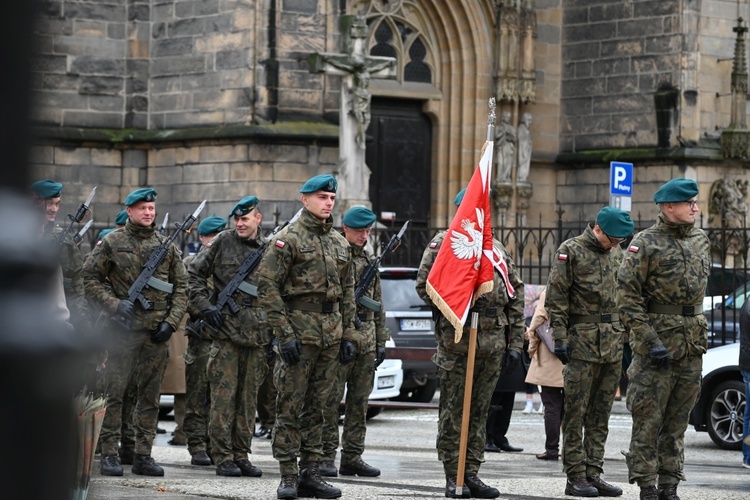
[724,319]
[410,322]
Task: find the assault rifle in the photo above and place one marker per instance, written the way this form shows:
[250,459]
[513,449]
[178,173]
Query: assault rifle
[79,235]
[83,208]
[224,297]
[364,281]
[146,278]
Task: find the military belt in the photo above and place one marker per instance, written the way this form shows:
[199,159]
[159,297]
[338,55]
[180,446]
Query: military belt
[325,307]
[160,285]
[593,318]
[366,316]
[679,310]
[67,284]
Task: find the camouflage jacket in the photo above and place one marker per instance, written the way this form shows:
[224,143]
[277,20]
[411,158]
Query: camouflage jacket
[116,263]
[219,261]
[308,263]
[666,264]
[501,322]
[372,333]
[71,262]
[583,282]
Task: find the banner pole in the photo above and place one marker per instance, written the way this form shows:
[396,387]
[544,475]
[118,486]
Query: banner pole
[466,414]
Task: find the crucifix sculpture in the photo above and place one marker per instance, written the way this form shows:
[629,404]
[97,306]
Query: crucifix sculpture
[356,69]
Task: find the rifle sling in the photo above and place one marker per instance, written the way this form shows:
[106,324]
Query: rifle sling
[160,285]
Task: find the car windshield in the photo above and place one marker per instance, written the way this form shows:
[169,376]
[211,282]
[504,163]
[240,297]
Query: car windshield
[738,297]
[399,293]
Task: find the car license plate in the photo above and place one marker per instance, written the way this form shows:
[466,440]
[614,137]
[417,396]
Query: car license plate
[415,324]
[386,382]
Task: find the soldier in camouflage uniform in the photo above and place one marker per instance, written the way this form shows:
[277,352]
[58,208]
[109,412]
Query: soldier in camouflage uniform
[589,341]
[197,399]
[662,282]
[140,352]
[307,288]
[357,376]
[71,259]
[237,356]
[499,310]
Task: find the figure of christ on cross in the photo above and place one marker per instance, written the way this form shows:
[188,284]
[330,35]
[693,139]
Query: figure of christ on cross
[356,69]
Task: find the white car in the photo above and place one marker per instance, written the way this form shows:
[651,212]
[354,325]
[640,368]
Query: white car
[388,379]
[720,409]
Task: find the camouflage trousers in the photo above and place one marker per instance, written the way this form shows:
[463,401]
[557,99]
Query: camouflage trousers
[127,429]
[267,401]
[589,393]
[452,374]
[197,400]
[357,377]
[234,375]
[661,402]
[134,356]
[304,390]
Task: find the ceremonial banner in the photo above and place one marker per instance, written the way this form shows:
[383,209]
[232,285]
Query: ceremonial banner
[463,268]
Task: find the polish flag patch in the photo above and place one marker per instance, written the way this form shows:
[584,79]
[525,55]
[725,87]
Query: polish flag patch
[433,245]
[280,244]
[634,248]
[99,243]
[562,256]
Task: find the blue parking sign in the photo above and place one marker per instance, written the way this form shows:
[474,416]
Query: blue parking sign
[620,178]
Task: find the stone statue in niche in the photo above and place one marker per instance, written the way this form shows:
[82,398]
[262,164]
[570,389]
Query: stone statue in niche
[524,148]
[505,147]
[728,209]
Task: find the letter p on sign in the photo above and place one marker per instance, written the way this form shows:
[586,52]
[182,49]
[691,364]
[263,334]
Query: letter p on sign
[621,179]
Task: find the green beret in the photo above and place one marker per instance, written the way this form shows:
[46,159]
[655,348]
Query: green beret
[676,190]
[122,218]
[615,222]
[47,189]
[359,217]
[245,206]
[211,225]
[325,182]
[104,232]
[459,197]
[142,194]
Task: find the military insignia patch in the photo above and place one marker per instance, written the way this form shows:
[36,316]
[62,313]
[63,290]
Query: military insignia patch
[634,248]
[562,256]
[280,244]
[433,245]
[99,243]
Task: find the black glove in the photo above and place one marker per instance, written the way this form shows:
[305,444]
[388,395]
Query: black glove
[213,316]
[271,354]
[126,309]
[479,305]
[162,333]
[348,351]
[380,356]
[659,356]
[562,351]
[512,360]
[290,352]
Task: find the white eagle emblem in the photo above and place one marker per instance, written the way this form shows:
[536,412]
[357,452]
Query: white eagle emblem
[469,246]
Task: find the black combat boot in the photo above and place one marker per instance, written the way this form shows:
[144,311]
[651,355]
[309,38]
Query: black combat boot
[603,487]
[668,492]
[478,488]
[649,493]
[228,468]
[200,457]
[127,455]
[110,466]
[312,485]
[327,468]
[450,489]
[579,487]
[287,489]
[358,468]
[144,465]
[247,468]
